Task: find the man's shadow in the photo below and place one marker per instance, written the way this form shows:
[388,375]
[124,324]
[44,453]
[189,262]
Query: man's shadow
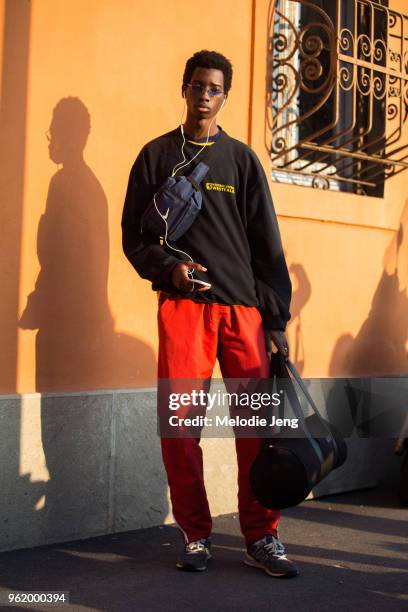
[377,351]
[300,297]
[92,443]
[379,348]
[76,345]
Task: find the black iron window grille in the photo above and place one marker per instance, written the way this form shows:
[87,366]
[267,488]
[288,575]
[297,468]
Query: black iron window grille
[337,93]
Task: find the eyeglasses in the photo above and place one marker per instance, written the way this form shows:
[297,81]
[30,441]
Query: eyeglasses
[198,89]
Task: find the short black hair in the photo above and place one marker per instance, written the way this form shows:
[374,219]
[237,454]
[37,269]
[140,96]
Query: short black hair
[208,59]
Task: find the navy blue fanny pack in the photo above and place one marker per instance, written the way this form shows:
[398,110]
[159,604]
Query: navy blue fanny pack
[176,204]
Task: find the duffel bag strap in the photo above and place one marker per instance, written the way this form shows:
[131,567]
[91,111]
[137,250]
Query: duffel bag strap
[280,371]
[306,393]
[284,367]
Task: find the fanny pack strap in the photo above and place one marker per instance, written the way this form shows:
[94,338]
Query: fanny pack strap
[197,174]
[193,182]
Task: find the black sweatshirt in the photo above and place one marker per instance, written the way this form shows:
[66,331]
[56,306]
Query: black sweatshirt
[235,236]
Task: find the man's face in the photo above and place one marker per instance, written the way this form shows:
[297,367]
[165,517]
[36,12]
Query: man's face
[200,103]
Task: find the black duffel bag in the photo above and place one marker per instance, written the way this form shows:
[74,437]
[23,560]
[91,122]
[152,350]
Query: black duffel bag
[288,467]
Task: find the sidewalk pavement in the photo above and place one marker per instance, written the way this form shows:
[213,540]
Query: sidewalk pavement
[352,550]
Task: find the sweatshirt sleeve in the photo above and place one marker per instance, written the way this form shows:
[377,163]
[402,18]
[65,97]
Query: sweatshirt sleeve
[147,256]
[272,281]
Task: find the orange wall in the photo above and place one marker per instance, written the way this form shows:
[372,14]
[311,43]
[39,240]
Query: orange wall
[15,32]
[83,325]
[86,320]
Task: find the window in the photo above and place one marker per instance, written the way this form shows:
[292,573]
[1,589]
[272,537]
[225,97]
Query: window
[337,94]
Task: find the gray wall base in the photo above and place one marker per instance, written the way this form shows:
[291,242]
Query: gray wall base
[84,464]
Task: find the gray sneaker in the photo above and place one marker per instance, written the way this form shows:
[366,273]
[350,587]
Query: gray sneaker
[195,556]
[268,554]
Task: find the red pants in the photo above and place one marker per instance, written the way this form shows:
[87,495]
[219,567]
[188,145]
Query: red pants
[191,337]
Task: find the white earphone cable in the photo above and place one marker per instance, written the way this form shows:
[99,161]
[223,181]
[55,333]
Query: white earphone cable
[182,164]
[164,217]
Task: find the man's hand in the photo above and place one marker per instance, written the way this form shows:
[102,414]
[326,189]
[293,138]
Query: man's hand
[181,279]
[279,339]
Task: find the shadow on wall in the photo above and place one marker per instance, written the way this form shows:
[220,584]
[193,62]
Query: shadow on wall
[376,408]
[300,297]
[13,126]
[379,347]
[96,445]
[76,345]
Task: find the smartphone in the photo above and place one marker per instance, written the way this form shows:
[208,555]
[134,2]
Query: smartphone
[200,282]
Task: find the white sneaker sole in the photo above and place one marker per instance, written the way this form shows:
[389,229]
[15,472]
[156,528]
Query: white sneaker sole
[252,563]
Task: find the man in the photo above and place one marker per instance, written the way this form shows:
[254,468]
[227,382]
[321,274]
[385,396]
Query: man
[234,245]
